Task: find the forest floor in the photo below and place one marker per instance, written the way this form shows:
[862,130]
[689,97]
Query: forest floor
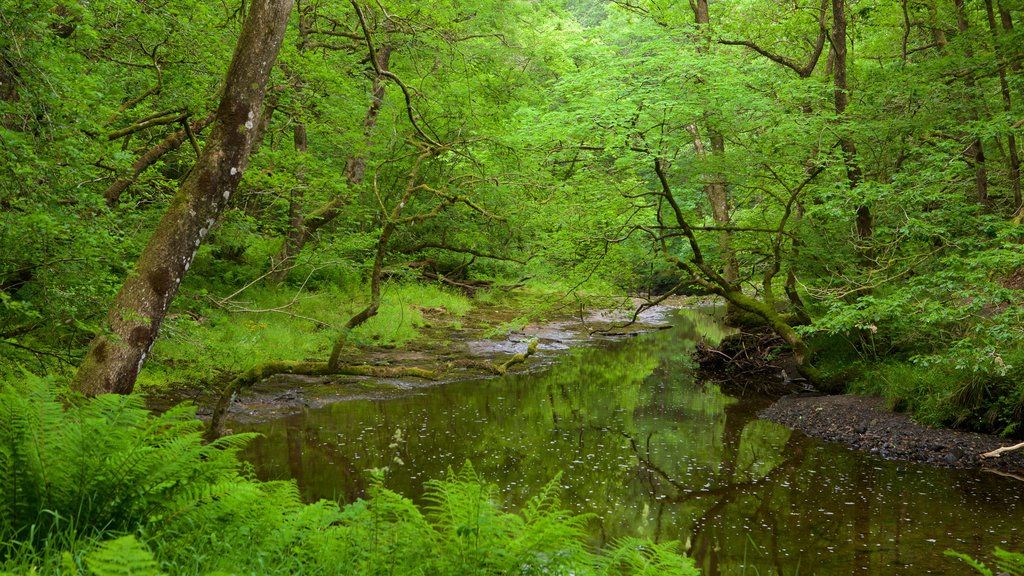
[865,423]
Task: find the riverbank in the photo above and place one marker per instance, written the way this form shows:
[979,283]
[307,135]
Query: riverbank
[454,348]
[865,423]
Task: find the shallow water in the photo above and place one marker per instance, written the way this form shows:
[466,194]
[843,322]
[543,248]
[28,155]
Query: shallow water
[650,451]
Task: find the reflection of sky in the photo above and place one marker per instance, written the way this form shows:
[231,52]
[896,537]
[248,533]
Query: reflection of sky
[651,452]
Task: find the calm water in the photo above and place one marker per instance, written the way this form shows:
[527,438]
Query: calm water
[653,452]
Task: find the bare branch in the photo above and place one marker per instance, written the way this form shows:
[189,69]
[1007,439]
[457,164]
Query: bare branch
[459,249]
[170,117]
[999,451]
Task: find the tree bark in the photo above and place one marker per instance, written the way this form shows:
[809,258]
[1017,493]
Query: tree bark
[717,194]
[975,151]
[116,355]
[864,221]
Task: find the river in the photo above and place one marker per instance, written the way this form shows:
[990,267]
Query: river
[652,452]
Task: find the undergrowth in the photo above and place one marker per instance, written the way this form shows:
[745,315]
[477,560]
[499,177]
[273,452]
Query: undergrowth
[943,395]
[103,487]
[201,340]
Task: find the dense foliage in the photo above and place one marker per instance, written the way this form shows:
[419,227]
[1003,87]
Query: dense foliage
[868,183]
[845,173]
[105,487]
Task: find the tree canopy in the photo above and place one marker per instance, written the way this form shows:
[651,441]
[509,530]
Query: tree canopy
[844,172]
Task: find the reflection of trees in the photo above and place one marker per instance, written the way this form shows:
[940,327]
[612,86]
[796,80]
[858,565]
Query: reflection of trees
[726,485]
[648,451]
[311,460]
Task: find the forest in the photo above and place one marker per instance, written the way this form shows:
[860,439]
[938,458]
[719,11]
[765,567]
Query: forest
[198,196]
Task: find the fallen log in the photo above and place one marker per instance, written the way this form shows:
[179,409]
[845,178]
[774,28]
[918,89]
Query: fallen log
[999,451]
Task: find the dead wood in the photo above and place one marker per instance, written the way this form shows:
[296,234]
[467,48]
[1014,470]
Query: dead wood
[999,451]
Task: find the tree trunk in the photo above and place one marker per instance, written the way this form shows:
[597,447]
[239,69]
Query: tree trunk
[975,151]
[715,186]
[1004,89]
[296,218]
[355,169]
[717,194]
[1015,66]
[864,221]
[115,356]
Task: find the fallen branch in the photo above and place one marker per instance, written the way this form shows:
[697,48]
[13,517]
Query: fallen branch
[502,369]
[999,451]
[259,373]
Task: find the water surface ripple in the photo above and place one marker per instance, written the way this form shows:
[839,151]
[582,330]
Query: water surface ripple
[652,452]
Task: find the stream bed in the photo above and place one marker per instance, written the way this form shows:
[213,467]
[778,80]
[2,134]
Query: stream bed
[652,452]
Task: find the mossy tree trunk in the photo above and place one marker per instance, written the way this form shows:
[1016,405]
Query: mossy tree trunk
[705,273]
[117,354]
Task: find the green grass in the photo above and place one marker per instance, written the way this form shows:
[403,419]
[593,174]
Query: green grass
[200,341]
[942,395]
[401,314]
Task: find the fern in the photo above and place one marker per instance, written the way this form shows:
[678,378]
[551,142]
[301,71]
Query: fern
[125,556]
[105,463]
[1010,563]
[75,479]
[637,557]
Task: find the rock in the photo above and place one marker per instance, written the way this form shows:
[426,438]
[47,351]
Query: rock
[864,423]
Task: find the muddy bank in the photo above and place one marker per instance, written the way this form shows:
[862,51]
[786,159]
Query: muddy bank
[866,424]
[454,350]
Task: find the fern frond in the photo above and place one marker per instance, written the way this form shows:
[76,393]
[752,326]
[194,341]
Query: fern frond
[125,556]
[638,557]
[1010,562]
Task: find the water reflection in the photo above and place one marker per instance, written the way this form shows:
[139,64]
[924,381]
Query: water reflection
[652,452]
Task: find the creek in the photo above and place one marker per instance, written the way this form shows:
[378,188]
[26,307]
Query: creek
[651,451]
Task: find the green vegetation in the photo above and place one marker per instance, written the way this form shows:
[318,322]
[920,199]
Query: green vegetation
[190,191]
[220,336]
[1010,563]
[861,199]
[103,487]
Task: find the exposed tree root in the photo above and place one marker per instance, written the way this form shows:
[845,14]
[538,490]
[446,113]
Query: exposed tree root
[999,451]
[744,354]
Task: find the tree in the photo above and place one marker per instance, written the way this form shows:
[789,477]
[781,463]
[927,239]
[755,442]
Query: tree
[116,355]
